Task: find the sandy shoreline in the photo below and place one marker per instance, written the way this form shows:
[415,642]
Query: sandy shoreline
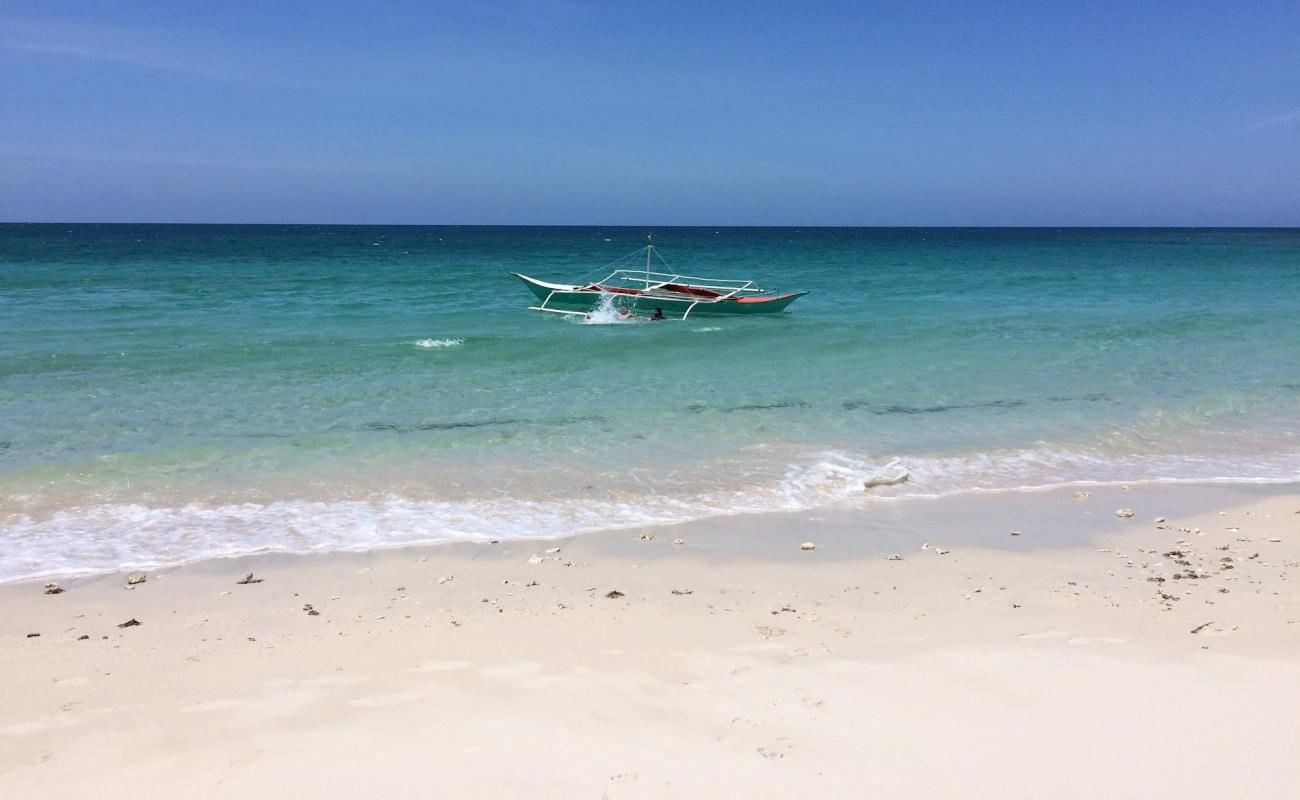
[1051,663]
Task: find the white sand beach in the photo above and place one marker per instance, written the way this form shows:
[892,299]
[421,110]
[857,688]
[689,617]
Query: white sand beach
[1085,655]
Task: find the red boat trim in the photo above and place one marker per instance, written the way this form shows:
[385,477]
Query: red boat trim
[691,290]
[765,299]
[596,287]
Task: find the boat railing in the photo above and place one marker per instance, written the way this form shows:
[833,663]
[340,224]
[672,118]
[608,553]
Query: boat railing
[657,280]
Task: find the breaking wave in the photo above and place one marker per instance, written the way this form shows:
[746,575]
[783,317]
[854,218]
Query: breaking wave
[113,536]
[433,344]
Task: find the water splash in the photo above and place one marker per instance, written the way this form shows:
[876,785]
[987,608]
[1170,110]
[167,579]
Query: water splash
[609,312]
[433,344]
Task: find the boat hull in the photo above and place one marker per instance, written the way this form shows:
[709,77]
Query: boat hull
[561,297]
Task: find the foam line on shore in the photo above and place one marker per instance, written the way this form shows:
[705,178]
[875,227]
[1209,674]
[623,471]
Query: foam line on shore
[107,537]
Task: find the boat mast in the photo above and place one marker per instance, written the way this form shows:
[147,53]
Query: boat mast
[649,248]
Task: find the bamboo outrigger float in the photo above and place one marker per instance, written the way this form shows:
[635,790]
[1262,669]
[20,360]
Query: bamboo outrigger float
[644,292]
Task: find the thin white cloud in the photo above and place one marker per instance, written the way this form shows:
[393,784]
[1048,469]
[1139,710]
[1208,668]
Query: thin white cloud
[1280,119]
[180,159]
[118,55]
[198,59]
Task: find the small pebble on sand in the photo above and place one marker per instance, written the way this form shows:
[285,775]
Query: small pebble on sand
[807,546]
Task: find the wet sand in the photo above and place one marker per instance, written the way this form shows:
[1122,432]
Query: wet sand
[1087,654]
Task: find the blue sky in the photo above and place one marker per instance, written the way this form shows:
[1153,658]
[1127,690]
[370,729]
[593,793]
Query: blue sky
[909,113]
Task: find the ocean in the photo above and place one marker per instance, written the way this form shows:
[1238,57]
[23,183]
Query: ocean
[177,392]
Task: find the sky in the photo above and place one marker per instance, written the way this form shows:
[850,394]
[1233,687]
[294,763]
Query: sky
[709,113]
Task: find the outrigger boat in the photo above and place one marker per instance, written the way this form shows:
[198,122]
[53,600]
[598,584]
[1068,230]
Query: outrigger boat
[644,292]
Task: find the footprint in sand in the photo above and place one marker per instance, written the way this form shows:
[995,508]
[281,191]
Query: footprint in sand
[1051,634]
[821,650]
[776,750]
[769,631]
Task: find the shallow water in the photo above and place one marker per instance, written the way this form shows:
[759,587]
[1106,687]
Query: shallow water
[171,392]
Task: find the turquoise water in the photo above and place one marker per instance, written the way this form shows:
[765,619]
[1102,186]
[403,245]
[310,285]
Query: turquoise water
[175,392]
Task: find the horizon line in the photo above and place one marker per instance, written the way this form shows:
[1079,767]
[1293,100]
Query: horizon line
[643,226]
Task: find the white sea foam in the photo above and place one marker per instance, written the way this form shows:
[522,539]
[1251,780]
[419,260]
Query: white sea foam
[431,344]
[832,476]
[121,536]
[608,312]
[111,536]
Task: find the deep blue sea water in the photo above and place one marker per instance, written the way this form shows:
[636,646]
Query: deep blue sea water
[170,392]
